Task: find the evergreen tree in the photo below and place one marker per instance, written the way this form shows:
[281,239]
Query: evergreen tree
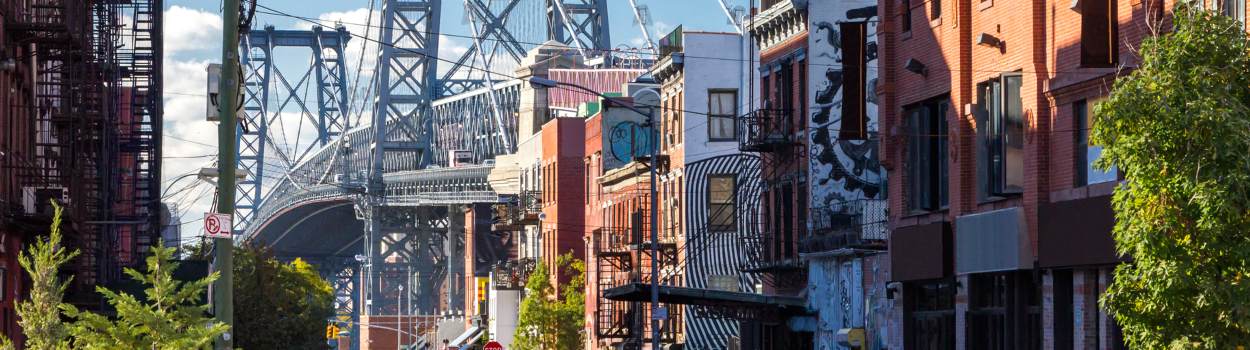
[1178,127]
[40,314]
[170,318]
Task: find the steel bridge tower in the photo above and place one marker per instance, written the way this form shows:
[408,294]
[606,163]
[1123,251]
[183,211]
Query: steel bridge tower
[410,263]
[264,84]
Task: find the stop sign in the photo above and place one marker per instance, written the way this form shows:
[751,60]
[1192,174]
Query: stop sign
[493,345]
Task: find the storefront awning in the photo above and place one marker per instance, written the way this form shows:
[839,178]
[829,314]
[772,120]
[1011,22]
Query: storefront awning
[704,297]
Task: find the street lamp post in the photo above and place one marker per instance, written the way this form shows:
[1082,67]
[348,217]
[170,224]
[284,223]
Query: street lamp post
[653,248]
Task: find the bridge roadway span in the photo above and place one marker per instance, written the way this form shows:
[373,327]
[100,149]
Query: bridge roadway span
[316,208]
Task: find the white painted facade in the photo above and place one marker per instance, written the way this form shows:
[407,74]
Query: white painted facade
[503,307]
[708,63]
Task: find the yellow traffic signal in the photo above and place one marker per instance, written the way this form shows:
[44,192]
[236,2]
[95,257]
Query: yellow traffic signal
[332,331]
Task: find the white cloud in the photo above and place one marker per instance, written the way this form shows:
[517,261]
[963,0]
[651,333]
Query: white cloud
[637,42]
[188,29]
[660,29]
[187,137]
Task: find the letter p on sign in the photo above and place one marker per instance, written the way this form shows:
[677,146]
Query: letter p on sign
[218,225]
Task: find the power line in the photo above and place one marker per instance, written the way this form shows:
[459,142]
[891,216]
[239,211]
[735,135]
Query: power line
[463,36]
[189,141]
[472,68]
[361,63]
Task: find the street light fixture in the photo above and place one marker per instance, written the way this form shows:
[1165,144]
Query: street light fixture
[653,248]
[208,174]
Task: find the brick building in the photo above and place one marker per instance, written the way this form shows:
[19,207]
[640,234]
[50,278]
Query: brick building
[618,223]
[81,125]
[1001,228]
[822,210]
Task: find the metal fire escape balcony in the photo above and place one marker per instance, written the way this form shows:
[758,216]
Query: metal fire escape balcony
[62,21]
[523,210]
[854,227]
[766,130]
[512,275]
[621,261]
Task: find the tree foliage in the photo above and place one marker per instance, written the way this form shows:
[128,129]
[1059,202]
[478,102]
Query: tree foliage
[169,319]
[279,305]
[40,314]
[550,321]
[1179,129]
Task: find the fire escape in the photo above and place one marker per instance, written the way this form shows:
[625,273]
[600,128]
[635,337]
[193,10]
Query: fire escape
[622,263]
[95,103]
[854,227]
[772,134]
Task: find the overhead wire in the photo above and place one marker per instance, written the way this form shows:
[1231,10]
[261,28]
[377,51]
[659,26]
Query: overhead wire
[275,12]
[364,45]
[472,68]
[367,39]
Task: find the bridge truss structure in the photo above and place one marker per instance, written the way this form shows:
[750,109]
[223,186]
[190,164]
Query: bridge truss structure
[393,247]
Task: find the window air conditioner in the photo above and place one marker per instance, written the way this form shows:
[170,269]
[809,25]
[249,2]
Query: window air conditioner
[35,199]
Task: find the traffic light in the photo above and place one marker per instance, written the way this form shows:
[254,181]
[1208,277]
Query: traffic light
[332,331]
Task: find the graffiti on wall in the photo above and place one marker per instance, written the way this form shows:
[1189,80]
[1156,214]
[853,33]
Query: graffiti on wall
[625,140]
[841,170]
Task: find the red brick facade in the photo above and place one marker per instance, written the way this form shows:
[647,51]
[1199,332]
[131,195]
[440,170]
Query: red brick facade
[1042,42]
[562,189]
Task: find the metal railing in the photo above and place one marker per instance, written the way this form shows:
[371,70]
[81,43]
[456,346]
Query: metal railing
[513,274]
[766,130]
[857,224]
[435,186]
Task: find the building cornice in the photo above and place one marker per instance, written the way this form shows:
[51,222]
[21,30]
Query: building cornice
[667,67]
[778,23]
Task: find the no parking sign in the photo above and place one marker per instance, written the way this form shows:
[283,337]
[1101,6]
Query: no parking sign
[218,225]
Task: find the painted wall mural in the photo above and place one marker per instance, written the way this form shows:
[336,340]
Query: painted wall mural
[626,134]
[840,170]
[714,255]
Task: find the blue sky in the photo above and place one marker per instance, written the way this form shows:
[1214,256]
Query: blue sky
[193,39]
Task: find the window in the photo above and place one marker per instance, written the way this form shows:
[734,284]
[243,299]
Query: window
[854,81]
[1000,129]
[935,9]
[1004,311]
[1084,153]
[788,232]
[930,315]
[1063,327]
[926,161]
[1235,9]
[1099,44]
[906,18]
[987,312]
[721,211]
[722,110]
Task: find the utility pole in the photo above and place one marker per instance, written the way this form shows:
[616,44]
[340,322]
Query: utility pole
[656,316]
[223,248]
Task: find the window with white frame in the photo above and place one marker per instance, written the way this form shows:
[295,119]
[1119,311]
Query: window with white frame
[722,110]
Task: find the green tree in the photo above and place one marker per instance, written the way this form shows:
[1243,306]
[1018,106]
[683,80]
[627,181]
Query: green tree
[1178,127]
[550,321]
[169,319]
[277,305]
[40,314]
